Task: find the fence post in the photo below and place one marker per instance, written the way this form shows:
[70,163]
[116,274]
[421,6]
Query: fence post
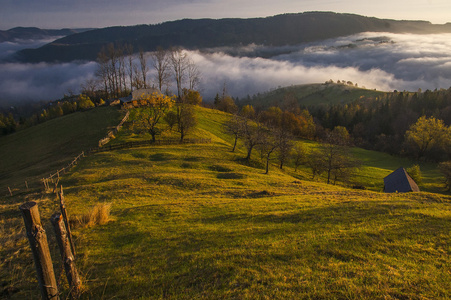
[10,192]
[26,184]
[40,248]
[66,218]
[67,256]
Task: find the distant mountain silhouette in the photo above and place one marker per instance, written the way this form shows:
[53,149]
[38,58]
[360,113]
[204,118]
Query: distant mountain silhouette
[33,33]
[280,30]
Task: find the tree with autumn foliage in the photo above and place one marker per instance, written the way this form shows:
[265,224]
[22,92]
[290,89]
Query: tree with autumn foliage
[427,135]
[152,108]
[192,97]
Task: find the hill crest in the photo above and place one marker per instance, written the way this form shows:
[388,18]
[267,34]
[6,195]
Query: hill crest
[279,30]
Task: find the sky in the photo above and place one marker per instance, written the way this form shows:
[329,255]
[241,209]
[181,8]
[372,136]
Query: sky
[54,14]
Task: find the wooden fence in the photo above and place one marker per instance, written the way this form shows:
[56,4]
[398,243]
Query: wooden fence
[110,134]
[54,178]
[37,238]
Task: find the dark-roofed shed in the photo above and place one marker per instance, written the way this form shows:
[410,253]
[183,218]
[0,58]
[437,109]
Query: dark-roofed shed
[399,181]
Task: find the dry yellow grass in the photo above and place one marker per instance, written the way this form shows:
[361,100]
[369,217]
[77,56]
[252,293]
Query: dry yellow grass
[99,215]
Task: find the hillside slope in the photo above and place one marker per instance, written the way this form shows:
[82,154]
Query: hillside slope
[280,30]
[312,95]
[33,153]
[195,222]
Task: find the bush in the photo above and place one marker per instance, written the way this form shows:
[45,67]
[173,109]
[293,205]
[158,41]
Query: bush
[415,173]
[99,215]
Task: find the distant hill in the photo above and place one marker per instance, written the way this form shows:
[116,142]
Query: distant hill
[280,30]
[33,33]
[312,95]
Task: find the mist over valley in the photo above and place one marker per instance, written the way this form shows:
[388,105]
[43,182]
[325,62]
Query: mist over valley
[382,61]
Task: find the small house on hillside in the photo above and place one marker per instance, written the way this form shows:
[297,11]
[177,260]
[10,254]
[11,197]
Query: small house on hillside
[133,99]
[399,181]
[137,94]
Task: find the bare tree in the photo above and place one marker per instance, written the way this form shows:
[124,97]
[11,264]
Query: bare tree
[129,50]
[234,127]
[285,144]
[193,75]
[111,70]
[122,70]
[299,155]
[103,70]
[142,57]
[161,63]
[268,144]
[252,135]
[186,119]
[90,87]
[179,63]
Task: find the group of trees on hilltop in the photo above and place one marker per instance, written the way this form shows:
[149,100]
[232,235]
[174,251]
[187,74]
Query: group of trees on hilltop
[55,109]
[7,124]
[176,111]
[403,123]
[272,133]
[120,71]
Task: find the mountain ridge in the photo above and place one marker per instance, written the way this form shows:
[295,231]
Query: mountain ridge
[196,34]
[33,33]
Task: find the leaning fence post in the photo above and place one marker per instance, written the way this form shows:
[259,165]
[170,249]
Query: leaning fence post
[65,218]
[40,248]
[67,256]
[10,192]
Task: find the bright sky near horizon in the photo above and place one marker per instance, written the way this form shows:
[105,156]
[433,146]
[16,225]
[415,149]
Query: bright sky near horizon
[51,14]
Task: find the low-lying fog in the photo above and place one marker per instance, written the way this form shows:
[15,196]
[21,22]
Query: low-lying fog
[382,61]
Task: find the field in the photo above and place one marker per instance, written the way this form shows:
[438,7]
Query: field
[196,222]
[313,94]
[34,153]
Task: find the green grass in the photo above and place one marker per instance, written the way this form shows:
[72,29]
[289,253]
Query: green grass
[313,95]
[195,222]
[34,153]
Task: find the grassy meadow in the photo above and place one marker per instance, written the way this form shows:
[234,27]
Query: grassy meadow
[314,94]
[36,152]
[196,222]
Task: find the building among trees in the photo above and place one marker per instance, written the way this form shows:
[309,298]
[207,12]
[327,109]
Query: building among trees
[399,181]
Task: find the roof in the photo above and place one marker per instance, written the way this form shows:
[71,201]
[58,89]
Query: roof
[400,181]
[137,94]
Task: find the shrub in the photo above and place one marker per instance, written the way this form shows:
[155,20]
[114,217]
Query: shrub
[99,215]
[415,173]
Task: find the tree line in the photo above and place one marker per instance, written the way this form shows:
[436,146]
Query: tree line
[120,71]
[385,123]
[9,124]
[273,132]
[402,123]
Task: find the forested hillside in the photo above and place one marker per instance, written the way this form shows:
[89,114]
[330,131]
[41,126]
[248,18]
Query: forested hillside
[280,30]
[376,120]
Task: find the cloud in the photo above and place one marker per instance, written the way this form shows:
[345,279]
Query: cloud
[9,48]
[36,82]
[382,61]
